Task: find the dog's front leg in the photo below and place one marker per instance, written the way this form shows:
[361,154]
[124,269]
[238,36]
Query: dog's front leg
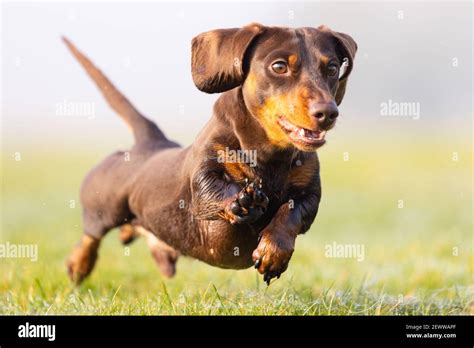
[277,241]
[215,197]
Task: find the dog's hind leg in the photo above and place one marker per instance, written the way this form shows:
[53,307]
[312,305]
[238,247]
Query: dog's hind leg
[164,255]
[127,234]
[82,259]
[104,207]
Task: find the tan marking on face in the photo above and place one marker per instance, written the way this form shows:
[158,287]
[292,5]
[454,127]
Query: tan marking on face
[292,59]
[294,107]
[324,59]
[251,83]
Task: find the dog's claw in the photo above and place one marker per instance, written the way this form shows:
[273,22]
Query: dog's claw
[235,208]
[244,200]
[273,253]
[267,278]
[258,263]
[249,204]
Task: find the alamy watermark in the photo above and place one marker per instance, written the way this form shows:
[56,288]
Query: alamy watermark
[75,108]
[28,330]
[26,251]
[345,251]
[237,156]
[400,109]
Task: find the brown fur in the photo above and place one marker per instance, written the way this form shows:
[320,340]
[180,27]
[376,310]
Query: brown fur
[184,201]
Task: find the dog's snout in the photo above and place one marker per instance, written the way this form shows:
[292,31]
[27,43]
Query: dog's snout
[325,113]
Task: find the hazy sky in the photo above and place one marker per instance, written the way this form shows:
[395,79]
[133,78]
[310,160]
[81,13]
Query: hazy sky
[408,52]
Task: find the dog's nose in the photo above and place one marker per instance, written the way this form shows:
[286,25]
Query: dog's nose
[325,113]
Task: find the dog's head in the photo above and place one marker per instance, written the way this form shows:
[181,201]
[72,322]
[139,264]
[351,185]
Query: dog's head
[292,79]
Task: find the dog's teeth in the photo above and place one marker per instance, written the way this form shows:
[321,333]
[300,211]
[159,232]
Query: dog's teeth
[301,132]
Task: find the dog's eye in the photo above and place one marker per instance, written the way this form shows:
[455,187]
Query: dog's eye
[280,67]
[333,70]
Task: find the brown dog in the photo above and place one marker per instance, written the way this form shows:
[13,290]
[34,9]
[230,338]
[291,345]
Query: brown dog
[282,87]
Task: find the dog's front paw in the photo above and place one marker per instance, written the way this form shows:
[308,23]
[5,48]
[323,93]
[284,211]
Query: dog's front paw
[273,253]
[249,204]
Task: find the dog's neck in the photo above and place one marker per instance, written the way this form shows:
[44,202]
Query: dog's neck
[230,107]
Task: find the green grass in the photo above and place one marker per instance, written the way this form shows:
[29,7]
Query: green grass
[410,267]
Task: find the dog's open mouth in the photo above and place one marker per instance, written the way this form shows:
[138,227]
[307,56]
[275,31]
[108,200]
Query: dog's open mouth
[303,136]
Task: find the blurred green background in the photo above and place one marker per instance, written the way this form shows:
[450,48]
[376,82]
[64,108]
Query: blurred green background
[418,259]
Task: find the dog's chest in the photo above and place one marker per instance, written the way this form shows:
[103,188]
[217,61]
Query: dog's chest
[281,176]
[278,177]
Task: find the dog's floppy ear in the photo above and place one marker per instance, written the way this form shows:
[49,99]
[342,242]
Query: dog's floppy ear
[217,62]
[346,48]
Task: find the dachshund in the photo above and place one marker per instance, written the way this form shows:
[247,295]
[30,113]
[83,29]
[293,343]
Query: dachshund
[250,183]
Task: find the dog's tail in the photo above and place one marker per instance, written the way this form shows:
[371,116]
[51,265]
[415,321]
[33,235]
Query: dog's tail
[143,129]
